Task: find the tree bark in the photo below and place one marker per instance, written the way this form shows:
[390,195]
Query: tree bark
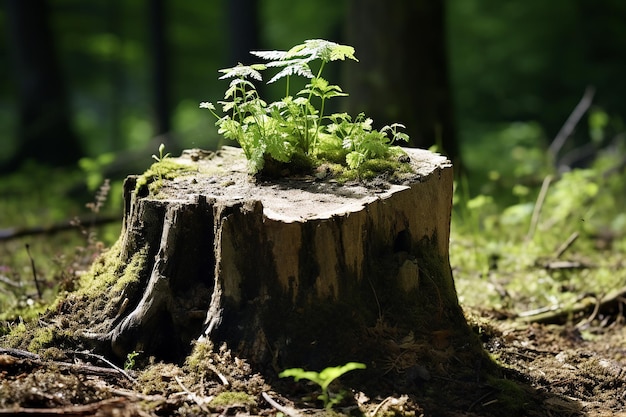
[293,272]
[403,69]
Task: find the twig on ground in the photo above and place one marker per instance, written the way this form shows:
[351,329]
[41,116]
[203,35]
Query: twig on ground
[561,265]
[289,411]
[219,375]
[79,368]
[32,265]
[111,364]
[201,401]
[538,205]
[561,313]
[16,232]
[481,398]
[593,315]
[570,240]
[110,406]
[379,406]
[18,353]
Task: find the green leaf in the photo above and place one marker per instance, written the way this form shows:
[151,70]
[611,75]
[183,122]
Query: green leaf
[298,68]
[207,105]
[243,71]
[322,49]
[256,160]
[330,374]
[354,159]
[323,379]
[299,373]
[270,55]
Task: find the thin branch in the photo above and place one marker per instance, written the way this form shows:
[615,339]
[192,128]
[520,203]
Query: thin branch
[561,313]
[289,411]
[111,364]
[32,265]
[219,375]
[201,401]
[18,353]
[571,122]
[104,407]
[380,405]
[16,232]
[538,205]
[80,368]
[570,240]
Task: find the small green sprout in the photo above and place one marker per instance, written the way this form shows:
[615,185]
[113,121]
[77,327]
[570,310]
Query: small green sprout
[161,157]
[129,363]
[323,379]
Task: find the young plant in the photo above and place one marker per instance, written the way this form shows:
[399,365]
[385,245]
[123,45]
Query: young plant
[161,156]
[129,363]
[297,124]
[323,379]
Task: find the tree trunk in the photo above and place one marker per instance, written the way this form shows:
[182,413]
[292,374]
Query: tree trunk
[160,67]
[45,133]
[243,31]
[403,69]
[293,272]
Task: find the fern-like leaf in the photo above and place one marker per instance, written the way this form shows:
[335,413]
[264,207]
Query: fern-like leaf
[243,71]
[270,55]
[296,60]
[322,49]
[297,68]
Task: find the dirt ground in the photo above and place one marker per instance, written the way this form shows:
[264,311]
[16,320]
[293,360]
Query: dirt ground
[553,371]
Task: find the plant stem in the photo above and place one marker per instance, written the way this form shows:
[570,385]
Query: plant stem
[32,265]
[306,119]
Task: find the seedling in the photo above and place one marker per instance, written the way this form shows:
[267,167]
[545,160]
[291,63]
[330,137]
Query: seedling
[297,124]
[161,157]
[323,379]
[129,363]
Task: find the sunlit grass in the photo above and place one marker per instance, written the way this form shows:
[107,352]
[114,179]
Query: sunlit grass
[505,243]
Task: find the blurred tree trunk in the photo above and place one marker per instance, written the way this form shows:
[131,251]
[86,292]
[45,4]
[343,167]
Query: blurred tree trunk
[402,75]
[160,67]
[244,33]
[45,133]
[115,74]
[243,25]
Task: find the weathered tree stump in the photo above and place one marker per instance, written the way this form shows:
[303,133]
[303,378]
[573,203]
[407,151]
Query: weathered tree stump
[290,272]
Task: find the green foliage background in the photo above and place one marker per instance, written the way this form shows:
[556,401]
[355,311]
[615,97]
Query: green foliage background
[519,61]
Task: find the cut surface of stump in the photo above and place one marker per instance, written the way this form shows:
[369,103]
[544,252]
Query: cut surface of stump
[289,272]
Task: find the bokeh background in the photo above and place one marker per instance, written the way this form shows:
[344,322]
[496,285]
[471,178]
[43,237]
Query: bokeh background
[93,79]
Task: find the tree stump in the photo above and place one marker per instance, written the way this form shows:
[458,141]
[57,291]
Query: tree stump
[289,272]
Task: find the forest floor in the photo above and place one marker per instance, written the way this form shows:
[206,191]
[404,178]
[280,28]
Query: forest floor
[552,370]
[564,361]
